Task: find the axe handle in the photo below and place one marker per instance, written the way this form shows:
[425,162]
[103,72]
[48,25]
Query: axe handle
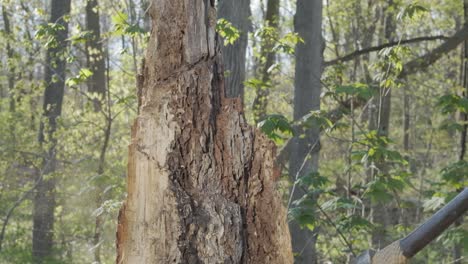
[424,234]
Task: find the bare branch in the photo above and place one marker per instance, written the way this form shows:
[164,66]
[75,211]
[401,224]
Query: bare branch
[409,68]
[360,52]
[428,59]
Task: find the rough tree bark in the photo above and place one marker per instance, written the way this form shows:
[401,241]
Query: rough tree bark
[201,182]
[44,201]
[238,13]
[307,89]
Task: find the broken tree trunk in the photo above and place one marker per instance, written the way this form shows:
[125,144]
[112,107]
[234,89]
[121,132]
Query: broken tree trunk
[201,182]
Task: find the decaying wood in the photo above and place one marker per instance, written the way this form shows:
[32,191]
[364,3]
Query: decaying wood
[201,182]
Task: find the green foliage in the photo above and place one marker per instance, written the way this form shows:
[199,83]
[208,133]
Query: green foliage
[226,30]
[456,174]
[274,42]
[451,125]
[48,33]
[82,76]
[358,166]
[434,203]
[456,235]
[357,90]
[122,25]
[337,203]
[276,127]
[451,103]
[384,187]
[304,208]
[287,44]
[81,37]
[376,150]
[412,11]
[316,119]
[257,84]
[312,181]
[354,223]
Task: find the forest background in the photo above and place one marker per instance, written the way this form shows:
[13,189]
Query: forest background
[367,102]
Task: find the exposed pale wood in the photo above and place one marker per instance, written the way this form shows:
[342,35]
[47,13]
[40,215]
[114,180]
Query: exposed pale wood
[201,182]
[392,254]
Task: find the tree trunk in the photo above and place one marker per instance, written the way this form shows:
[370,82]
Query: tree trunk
[146,18]
[267,59]
[380,213]
[307,89]
[406,117]
[10,63]
[458,248]
[97,84]
[238,13]
[94,54]
[201,182]
[44,201]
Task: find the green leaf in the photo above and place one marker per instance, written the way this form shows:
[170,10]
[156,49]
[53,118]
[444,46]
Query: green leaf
[451,125]
[123,27]
[377,190]
[303,216]
[360,90]
[354,222]
[276,127]
[338,203]
[226,30]
[316,119]
[287,44]
[411,11]
[81,37]
[82,76]
[48,33]
[456,174]
[312,180]
[452,103]
[434,203]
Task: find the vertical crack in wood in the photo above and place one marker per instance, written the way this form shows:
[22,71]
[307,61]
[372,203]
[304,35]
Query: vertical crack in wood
[201,182]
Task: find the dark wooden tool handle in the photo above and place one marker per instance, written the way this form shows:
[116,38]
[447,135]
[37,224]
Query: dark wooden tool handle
[424,234]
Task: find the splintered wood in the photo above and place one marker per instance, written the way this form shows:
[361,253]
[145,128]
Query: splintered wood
[201,181]
[392,254]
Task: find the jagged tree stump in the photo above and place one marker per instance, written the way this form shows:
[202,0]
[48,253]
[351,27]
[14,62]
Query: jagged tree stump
[201,182]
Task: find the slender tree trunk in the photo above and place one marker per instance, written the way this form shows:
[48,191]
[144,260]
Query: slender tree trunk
[267,60]
[380,212]
[94,53]
[201,182]
[238,13]
[458,248]
[146,18]
[44,201]
[10,63]
[97,84]
[307,90]
[464,116]
[406,117]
